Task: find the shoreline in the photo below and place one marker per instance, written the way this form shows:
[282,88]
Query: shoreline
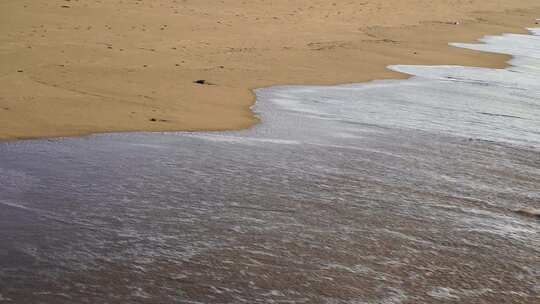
[81,97]
[387,191]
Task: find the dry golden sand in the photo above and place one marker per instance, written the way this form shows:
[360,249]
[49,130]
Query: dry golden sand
[84,66]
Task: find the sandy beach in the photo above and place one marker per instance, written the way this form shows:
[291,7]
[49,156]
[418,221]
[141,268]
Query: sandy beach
[80,67]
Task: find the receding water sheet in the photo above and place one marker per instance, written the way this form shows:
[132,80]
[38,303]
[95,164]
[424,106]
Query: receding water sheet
[396,191]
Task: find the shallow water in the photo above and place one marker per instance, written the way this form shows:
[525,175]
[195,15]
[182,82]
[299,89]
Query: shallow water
[396,191]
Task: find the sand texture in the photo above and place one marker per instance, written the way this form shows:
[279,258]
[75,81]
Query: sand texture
[85,66]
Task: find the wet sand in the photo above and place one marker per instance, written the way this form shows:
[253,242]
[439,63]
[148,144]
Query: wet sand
[79,67]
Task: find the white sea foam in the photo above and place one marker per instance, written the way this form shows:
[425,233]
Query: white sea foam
[482,103]
[244,140]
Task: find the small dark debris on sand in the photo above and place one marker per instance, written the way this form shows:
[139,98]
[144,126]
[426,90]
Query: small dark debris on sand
[160,120]
[203,82]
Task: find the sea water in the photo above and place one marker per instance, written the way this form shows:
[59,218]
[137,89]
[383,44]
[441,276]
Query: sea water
[394,191]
